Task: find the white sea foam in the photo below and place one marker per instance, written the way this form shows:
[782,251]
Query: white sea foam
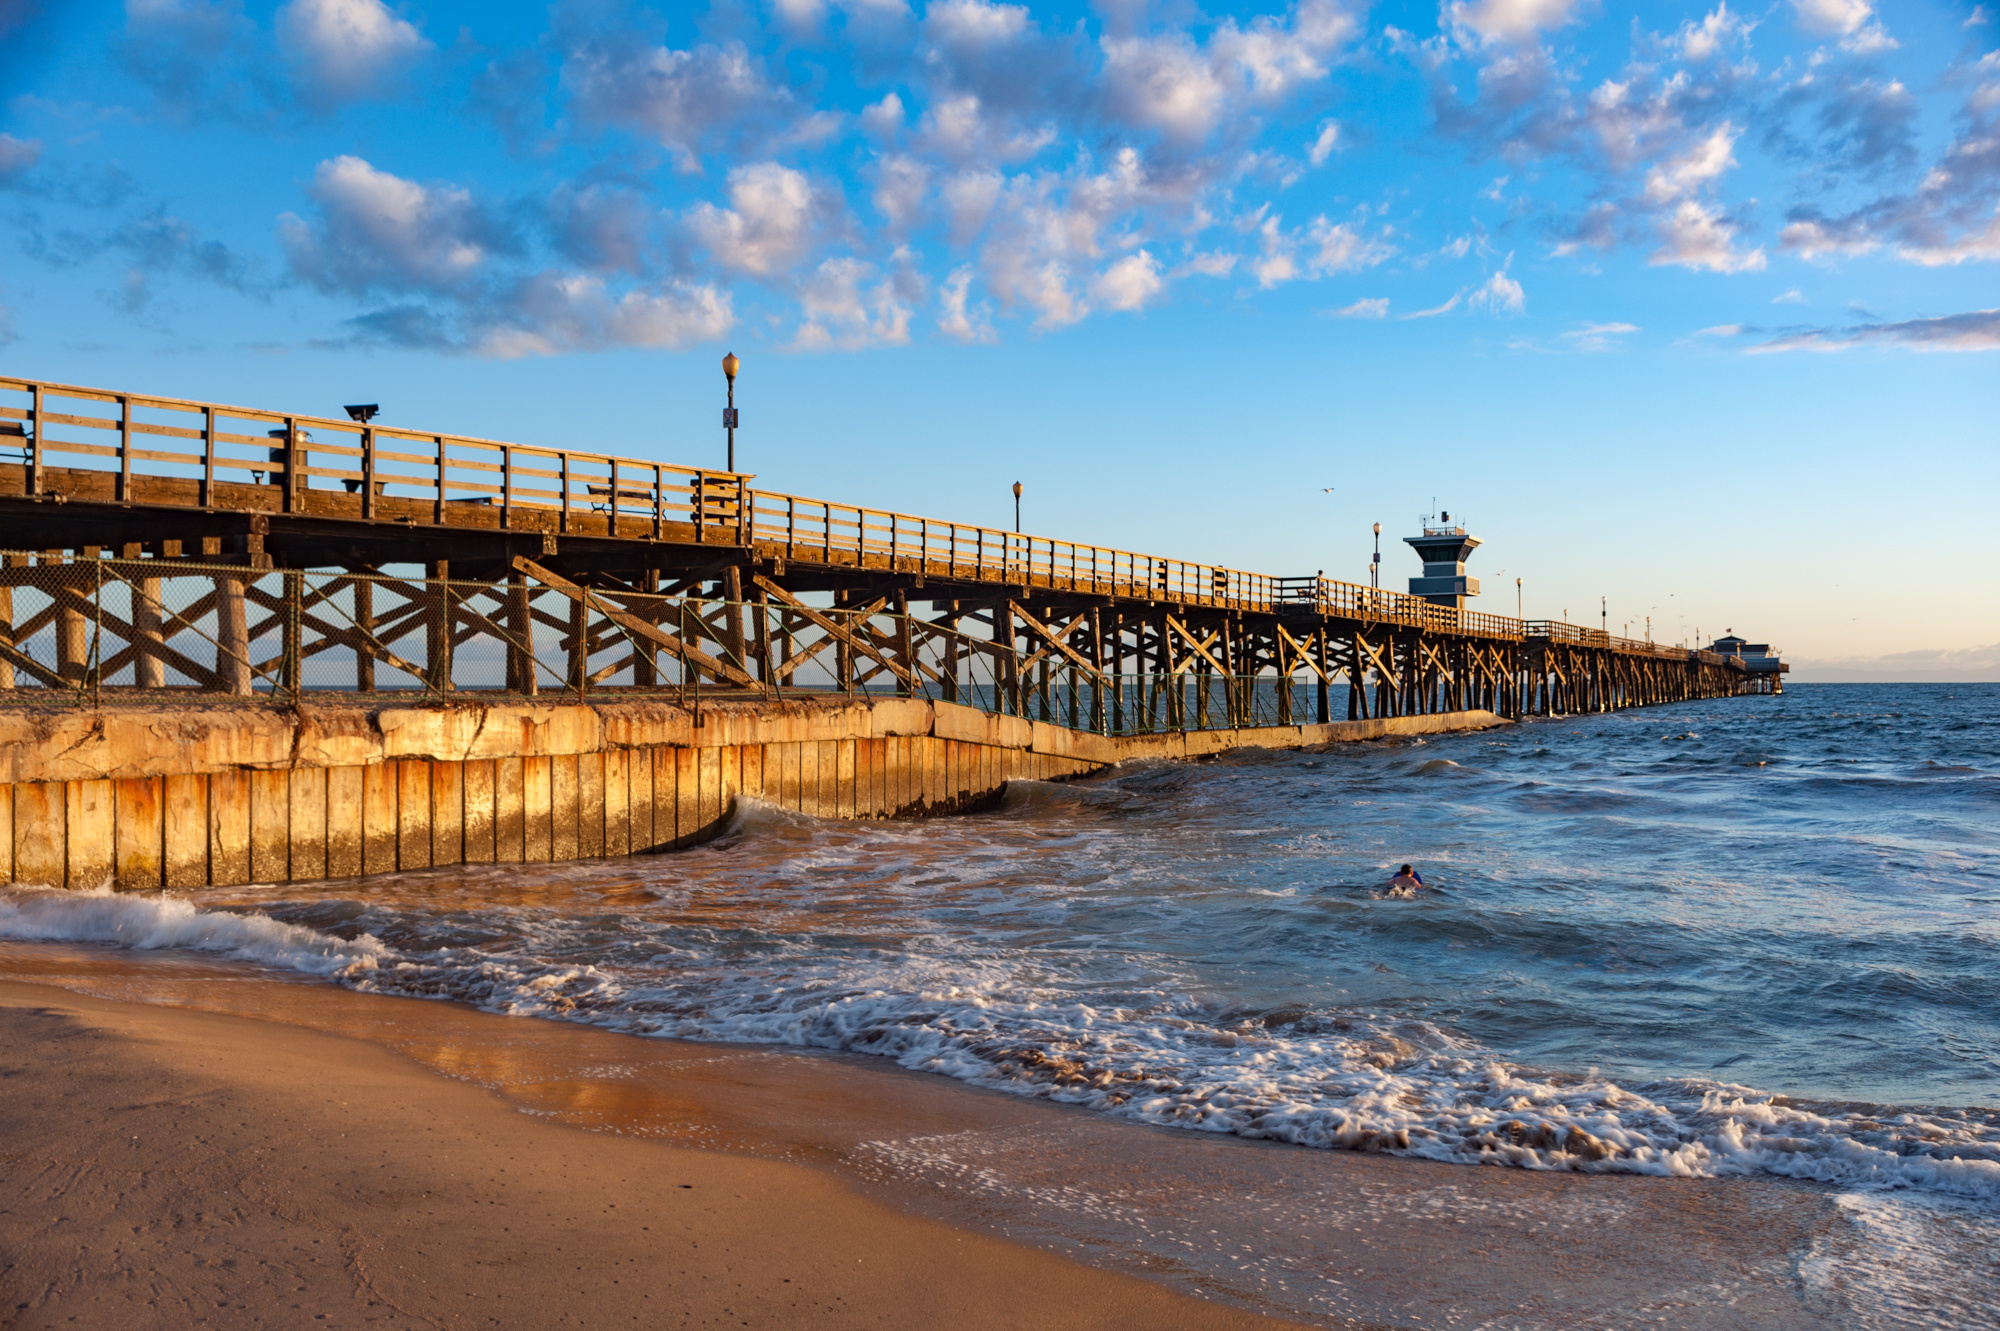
[1907,1262]
[1310,1079]
[153,922]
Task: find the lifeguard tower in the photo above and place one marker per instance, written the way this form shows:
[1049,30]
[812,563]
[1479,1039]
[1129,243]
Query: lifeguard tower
[1444,547]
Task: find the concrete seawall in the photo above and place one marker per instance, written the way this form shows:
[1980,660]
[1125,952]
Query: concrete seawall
[145,797]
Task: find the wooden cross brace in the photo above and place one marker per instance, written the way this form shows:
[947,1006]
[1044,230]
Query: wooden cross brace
[633,624]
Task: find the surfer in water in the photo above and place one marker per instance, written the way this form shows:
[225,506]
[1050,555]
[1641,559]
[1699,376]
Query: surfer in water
[1406,882]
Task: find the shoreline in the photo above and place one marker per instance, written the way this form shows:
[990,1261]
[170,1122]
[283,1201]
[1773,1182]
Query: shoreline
[174,1168]
[1192,1228]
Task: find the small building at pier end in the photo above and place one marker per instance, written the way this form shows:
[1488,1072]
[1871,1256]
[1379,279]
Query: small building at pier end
[1758,660]
[1444,547]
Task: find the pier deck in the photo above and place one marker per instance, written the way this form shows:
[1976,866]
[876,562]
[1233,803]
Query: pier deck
[647,575]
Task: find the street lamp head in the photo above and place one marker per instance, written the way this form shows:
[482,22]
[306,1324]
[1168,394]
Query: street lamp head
[1378,529]
[729,364]
[363,413]
[1017,489]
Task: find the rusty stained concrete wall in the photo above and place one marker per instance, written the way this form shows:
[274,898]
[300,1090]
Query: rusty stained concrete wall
[149,797]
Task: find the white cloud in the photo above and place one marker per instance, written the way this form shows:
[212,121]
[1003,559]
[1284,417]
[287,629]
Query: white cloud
[1974,245]
[1275,57]
[1047,230]
[1977,330]
[1435,310]
[1341,249]
[885,117]
[1923,666]
[801,16]
[969,197]
[1852,21]
[901,184]
[1697,236]
[1323,146]
[380,230]
[676,98]
[676,316]
[1274,263]
[1792,297]
[1376,307]
[959,321]
[17,155]
[1330,248]
[974,23]
[848,304]
[550,313]
[1215,264]
[1498,294]
[1812,241]
[1705,40]
[957,127]
[1129,283]
[1506,20]
[768,226]
[1701,165]
[1163,83]
[346,48]
[1599,337]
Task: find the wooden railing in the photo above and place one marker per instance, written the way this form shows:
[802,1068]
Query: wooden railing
[234,457]
[210,456]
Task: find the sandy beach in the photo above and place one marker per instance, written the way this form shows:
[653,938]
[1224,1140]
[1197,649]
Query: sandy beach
[293,1156]
[173,1168]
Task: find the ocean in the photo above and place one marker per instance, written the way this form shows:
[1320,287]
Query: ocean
[1739,937]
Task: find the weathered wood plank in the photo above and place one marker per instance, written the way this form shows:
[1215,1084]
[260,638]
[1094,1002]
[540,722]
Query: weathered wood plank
[448,813]
[478,792]
[229,828]
[510,824]
[537,809]
[379,821]
[413,814]
[307,813]
[617,802]
[141,832]
[564,806]
[270,826]
[346,820]
[41,833]
[687,796]
[590,806]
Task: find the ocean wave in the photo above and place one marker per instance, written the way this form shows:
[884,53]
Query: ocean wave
[155,922]
[1296,1074]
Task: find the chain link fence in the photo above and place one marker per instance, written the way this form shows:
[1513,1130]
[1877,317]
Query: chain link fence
[79,631]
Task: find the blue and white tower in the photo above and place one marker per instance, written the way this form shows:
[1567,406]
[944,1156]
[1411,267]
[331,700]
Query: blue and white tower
[1444,547]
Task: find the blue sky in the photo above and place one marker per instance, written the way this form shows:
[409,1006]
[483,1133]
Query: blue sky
[1689,307]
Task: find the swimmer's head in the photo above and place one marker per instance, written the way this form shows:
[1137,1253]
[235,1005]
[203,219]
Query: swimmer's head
[1404,869]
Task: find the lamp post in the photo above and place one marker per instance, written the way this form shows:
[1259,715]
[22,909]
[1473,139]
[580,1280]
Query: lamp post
[1375,564]
[729,364]
[1604,613]
[1517,600]
[1017,508]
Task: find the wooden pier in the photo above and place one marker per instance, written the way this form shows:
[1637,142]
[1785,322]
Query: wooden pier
[343,556]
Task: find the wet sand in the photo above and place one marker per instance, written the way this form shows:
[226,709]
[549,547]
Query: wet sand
[198,1144]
